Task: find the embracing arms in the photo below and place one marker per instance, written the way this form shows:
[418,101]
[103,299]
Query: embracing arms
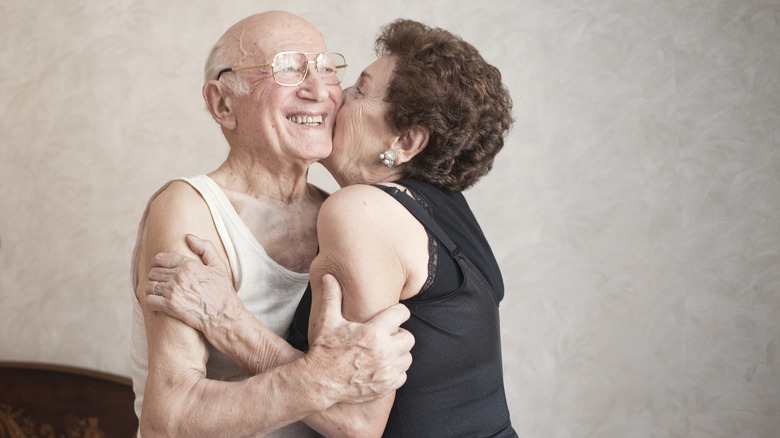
[378,252]
[181,401]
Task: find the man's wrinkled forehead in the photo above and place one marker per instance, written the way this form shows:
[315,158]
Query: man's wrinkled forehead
[266,35]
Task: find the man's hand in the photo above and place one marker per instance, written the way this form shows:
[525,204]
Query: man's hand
[360,362]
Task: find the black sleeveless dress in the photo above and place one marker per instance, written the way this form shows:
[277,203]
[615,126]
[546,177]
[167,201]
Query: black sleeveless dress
[455,385]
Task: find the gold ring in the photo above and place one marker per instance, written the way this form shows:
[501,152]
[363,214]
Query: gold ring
[154,288]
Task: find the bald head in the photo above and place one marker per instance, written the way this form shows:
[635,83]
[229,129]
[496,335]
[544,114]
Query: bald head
[257,38]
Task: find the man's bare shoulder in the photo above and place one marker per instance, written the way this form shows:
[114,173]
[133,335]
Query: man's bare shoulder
[176,196]
[174,211]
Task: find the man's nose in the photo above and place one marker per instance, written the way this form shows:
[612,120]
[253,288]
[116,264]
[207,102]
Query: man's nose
[313,86]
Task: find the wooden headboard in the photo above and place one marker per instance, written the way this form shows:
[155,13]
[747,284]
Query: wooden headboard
[43,400]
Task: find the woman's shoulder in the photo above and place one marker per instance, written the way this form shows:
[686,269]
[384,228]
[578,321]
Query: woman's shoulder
[356,195]
[360,204]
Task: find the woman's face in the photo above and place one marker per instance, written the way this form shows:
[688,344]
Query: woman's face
[361,133]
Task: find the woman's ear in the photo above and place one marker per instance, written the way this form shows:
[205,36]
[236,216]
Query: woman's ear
[218,102]
[410,144]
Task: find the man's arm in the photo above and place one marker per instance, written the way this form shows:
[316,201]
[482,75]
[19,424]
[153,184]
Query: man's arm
[179,400]
[200,293]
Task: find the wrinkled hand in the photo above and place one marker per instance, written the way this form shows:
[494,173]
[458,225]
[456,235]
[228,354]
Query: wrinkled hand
[360,362]
[200,294]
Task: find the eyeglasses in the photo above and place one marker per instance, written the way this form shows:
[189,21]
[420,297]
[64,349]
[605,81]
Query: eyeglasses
[289,68]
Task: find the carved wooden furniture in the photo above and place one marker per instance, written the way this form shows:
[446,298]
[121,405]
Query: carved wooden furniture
[41,400]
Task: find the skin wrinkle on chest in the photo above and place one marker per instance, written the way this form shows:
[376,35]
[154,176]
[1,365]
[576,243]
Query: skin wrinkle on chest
[287,232]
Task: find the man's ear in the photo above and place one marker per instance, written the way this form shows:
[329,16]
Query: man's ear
[411,143]
[219,104]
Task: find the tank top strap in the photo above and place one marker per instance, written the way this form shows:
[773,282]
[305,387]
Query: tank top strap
[423,216]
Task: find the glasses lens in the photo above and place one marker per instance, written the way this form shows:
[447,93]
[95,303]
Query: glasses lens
[332,67]
[290,68]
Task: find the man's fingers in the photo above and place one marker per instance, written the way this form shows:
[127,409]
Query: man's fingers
[331,298]
[406,339]
[391,317]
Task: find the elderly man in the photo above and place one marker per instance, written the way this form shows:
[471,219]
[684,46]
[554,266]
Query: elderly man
[274,90]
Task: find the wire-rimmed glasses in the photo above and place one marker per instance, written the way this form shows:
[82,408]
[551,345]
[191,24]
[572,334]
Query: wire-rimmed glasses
[290,68]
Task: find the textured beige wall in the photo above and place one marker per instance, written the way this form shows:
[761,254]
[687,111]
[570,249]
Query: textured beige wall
[635,210]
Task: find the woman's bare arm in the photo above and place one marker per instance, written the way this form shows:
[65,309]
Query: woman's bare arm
[378,252]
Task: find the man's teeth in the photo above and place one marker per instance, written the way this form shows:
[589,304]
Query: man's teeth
[306,120]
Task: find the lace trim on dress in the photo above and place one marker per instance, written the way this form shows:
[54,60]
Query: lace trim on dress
[433,244]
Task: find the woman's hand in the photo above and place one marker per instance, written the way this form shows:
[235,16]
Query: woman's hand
[200,294]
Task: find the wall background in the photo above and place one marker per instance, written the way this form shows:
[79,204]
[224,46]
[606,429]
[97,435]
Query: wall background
[635,210]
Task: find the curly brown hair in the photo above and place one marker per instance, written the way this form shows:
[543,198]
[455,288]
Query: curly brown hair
[442,84]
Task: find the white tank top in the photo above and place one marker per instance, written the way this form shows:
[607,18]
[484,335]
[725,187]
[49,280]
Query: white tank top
[268,290]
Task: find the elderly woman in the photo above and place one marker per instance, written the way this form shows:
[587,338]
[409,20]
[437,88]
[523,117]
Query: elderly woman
[422,123]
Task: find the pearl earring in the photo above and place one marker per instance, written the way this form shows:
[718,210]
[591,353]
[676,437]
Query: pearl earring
[388,157]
